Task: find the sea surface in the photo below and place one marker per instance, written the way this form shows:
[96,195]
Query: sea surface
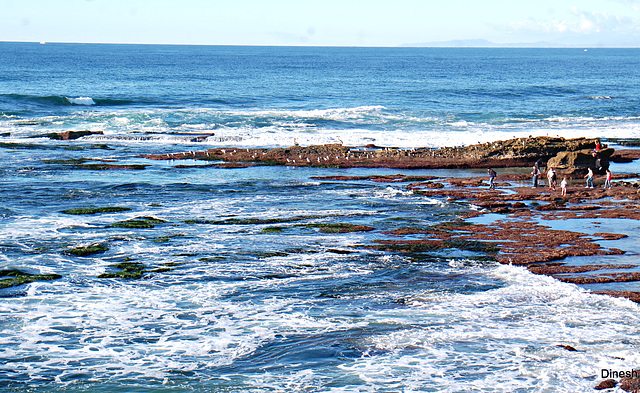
[243,290]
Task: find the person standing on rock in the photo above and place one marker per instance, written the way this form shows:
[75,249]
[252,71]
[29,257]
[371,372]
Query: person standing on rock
[589,177]
[492,178]
[552,179]
[536,174]
[607,181]
[563,186]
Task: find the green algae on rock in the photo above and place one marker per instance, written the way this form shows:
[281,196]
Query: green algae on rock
[96,210]
[340,227]
[86,251]
[255,221]
[139,222]
[74,161]
[104,167]
[165,239]
[271,254]
[132,270]
[128,270]
[14,277]
[211,259]
[273,230]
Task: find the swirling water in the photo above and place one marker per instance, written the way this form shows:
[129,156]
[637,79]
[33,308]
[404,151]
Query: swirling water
[277,304]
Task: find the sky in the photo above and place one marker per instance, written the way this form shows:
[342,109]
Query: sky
[572,23]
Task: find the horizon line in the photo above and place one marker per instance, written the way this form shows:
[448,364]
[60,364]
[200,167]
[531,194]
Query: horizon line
[408,46]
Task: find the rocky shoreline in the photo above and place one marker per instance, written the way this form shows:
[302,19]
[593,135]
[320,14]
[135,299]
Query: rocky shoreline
[522,233]
[515,223]
[520,236]
[568,156]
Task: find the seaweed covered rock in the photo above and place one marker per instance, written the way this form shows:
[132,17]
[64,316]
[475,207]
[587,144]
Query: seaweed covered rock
[85,251]
[14,277]
[139,222]
[95,210]
[129,270]
[340,227]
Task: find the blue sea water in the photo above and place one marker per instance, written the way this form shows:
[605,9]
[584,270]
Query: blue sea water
[289,308]
[262,96]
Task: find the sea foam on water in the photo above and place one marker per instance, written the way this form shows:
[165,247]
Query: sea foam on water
[81,101]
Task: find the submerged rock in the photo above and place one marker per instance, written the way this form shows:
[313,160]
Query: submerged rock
[86,251]
[68,135]
[104,167]
[139,222]
[14,277]
[340,227]
[128,270]
[273,230]
[567,347]
[255,221]
[131,270]
[95,210]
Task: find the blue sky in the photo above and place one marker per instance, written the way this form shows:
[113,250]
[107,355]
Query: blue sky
[588,23]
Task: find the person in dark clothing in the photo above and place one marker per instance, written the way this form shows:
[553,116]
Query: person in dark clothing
[492,178]
[536,174]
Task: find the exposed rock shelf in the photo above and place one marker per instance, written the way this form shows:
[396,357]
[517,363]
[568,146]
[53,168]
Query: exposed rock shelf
[575,154]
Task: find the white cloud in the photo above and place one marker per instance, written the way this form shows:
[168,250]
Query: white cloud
[635,4]
[582,22]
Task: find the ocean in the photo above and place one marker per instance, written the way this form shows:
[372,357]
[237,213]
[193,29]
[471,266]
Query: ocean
[242,289]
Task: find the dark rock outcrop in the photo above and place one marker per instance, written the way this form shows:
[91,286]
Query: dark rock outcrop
[68,135]
[577,162]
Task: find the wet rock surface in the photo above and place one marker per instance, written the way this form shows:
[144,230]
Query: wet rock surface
[631,384]
[606,384]
[524,239]
[521,237]
[517,152]
[15,277]
[523,233]
[68,135]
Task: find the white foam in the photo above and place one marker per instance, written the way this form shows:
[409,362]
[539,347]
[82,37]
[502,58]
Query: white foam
[329,114]
[504,339]
[81,100]
[391,192]
[272,128]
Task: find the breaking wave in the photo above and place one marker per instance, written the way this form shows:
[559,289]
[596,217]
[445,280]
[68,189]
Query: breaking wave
[81,101]
[60,101]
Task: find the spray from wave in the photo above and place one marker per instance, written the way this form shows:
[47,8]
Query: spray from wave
[81,101]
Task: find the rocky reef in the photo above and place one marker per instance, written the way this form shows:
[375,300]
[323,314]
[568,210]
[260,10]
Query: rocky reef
[521,230]
[571,156]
